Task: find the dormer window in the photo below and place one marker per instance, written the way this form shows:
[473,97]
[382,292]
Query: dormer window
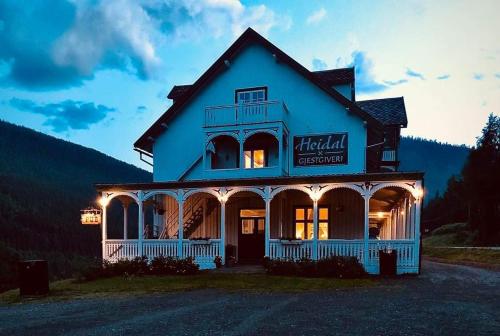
[251,95]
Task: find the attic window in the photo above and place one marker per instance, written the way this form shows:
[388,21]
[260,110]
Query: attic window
[251,95]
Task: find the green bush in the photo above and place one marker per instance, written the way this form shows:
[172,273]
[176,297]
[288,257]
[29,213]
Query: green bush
[333,267]
[450,228]
[139,266]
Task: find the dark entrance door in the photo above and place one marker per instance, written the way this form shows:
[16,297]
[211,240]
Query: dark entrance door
[251,235]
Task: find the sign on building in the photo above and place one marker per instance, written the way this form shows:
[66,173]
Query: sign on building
[320,150]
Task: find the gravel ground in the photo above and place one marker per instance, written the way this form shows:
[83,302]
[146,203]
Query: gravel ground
[444,300]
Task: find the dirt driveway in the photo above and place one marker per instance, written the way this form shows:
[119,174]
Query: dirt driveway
[444,300]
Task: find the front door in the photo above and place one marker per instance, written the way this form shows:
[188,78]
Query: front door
[251,235]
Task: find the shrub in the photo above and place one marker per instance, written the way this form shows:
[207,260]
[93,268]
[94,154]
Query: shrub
[139,266]
[335,266]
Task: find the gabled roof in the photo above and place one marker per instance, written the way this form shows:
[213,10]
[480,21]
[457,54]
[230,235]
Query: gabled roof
[389,111]
[336,76]
[248,37]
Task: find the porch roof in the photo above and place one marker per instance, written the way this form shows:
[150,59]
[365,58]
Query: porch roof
[266,181]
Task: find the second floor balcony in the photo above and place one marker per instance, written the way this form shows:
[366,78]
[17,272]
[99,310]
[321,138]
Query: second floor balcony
[246,114]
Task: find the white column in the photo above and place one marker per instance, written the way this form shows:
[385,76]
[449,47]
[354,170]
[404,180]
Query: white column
[366,231]
[267,227]
[418,204]
[140,227]
[223,231]
[104,228]
[315,230]
[180,227]
[280,151]
[242,152]
[125,220]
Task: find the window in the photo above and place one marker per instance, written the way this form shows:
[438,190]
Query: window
[255,158]
[304,223]
[252,221]
[253,95]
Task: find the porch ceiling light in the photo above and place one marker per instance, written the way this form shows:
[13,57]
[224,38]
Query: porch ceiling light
[418,193]
[103,201]
[380,215]
[315,195]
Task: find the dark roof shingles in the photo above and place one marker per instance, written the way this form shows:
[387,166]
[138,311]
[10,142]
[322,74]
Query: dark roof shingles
[389,111]
[336,76]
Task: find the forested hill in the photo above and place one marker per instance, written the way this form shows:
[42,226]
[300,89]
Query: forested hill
[439,161]
[44,182]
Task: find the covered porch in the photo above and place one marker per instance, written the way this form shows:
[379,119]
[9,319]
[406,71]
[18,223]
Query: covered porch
[281,218]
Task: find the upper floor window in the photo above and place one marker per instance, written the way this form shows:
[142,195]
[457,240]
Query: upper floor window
[251,95]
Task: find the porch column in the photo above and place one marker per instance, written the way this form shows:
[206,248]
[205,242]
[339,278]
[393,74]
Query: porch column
[125,220]
[241,140]
[366,231]
[418,204]
[180,226]
[223,230]
[315,230]
[267,228]
[104,228]
[140,226]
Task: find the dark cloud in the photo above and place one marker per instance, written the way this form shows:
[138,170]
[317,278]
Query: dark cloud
[26,36]
[443,77]
[413,73]
[478,76]
[397,82]
[365,78]
[319,64]
[68,114]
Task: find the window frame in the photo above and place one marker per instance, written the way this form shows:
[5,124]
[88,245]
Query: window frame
[306,221]
[250,89]
[252,159]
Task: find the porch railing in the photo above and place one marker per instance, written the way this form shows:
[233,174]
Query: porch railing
[248,113]
[159,247]
[341,247]
[116,249]
[290,249]
[405,250]
[201,249]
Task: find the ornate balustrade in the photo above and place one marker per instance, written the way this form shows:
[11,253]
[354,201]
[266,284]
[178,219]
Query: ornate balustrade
[341,247]
[407,258]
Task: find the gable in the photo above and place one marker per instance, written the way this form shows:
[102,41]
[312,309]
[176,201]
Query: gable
[249,37]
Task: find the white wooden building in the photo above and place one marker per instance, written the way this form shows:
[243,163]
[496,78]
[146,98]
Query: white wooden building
[262,157]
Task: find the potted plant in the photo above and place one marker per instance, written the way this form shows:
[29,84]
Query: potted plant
[290,241]
[218,261]
[200,240]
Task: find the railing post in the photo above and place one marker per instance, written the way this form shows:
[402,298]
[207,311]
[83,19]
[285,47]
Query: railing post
[416,257]
[315,230]
[180,227]
[125,220]
[140,221]
[366,231]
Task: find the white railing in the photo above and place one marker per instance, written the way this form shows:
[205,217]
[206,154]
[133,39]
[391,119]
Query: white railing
[249,113]
[115,249]
[388,155]
[405,249]
[201,248]
[294,249]
[341,247]
[160,247]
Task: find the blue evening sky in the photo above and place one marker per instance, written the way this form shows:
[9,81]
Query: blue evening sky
[97,72]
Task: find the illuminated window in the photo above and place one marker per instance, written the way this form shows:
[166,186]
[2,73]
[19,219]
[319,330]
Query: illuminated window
[247,226]
[255,158]
[304,224]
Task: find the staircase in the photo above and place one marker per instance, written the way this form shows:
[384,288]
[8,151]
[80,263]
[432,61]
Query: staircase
[192,217]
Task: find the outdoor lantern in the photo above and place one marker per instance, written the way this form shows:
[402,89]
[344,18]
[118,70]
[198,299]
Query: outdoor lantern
[90,216]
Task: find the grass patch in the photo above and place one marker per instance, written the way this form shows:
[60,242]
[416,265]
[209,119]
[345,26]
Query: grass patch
[485,256]
[69,289]
[456,234]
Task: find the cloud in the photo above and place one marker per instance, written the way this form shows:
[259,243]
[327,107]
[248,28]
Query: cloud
[57,44]
[316,16]
[398,82]
[478,76]
[68,114]
[319,64]
[364,72]
[443,77]
[141,109]
[497,75]
[413,73]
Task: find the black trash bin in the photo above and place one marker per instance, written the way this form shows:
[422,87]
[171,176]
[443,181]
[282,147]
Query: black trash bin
[33,277]
[388,261]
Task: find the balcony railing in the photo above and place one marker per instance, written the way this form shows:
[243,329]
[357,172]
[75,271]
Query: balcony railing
[249,113]
[389,155]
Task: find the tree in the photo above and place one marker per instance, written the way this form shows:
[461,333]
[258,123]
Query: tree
[481,177]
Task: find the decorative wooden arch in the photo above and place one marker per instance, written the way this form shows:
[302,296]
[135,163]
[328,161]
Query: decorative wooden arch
[265,131]
[353,187]
[109,196]
[259,191]
[407,186]
[191,192]
[307,189]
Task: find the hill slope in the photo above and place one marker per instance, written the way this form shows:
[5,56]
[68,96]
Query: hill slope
[439,161]
[44,182]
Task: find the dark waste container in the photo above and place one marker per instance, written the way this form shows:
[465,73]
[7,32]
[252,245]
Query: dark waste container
[33,277]
[388,262]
